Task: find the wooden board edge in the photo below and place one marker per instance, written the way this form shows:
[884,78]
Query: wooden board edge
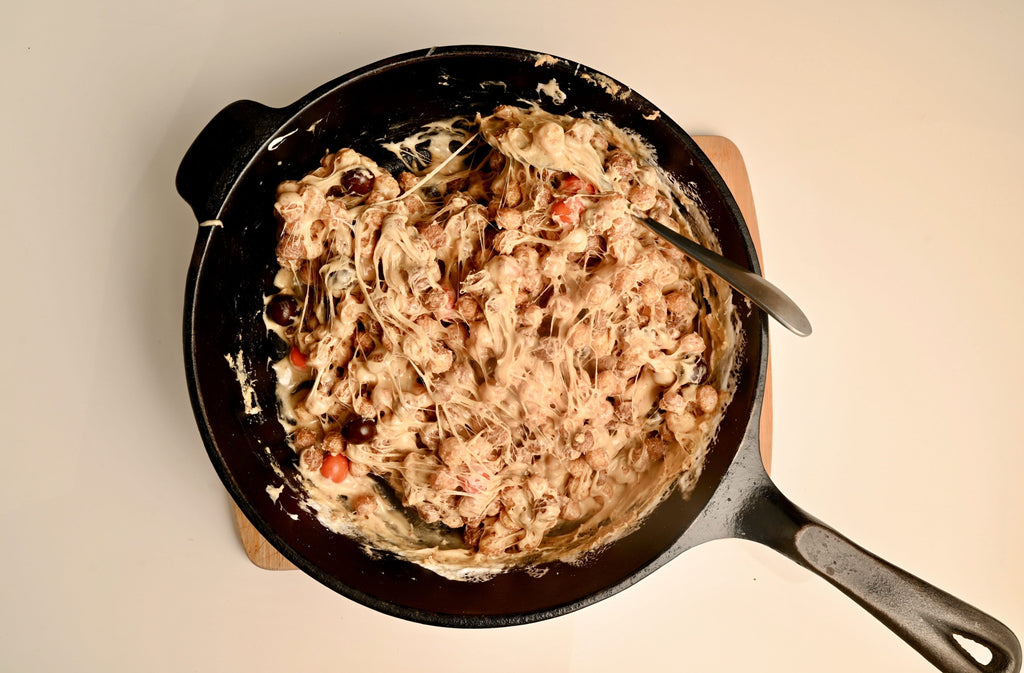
[260,552]
[726,157]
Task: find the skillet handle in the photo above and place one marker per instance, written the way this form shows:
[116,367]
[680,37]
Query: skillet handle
[220,152]
[930,620]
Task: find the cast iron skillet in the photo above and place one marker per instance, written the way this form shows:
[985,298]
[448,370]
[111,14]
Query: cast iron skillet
[228,177]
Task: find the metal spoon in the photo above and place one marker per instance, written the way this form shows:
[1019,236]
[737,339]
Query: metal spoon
[754,287]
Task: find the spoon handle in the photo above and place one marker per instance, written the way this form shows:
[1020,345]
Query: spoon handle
[754,287]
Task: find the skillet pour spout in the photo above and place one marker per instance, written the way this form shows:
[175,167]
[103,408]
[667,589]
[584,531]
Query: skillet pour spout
[229,175]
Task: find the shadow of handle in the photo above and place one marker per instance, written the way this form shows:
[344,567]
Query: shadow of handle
[221,152]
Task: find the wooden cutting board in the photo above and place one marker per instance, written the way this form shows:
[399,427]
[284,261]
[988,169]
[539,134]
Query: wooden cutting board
[727,159]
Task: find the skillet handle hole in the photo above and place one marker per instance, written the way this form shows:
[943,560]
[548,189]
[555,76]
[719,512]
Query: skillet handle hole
[980,652]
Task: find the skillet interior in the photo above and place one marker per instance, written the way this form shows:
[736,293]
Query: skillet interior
[231,270]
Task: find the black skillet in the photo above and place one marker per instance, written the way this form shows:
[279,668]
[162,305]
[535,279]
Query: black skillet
[228,177]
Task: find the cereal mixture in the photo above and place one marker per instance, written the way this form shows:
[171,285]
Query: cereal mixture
[492,362]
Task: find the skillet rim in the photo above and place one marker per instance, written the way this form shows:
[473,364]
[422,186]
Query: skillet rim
[283,117]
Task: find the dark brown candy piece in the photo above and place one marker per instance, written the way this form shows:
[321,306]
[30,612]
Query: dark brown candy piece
[357,181]
[359,430]
[282,309]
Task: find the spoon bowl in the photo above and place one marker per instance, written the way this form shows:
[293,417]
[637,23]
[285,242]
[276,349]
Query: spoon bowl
[759,291]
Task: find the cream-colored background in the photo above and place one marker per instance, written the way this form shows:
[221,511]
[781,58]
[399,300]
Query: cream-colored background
[883,142]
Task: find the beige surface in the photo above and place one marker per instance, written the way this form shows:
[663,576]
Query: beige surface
[727,158]
[883,143]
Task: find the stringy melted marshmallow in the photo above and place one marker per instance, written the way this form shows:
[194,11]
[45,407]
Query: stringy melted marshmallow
[541,369]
